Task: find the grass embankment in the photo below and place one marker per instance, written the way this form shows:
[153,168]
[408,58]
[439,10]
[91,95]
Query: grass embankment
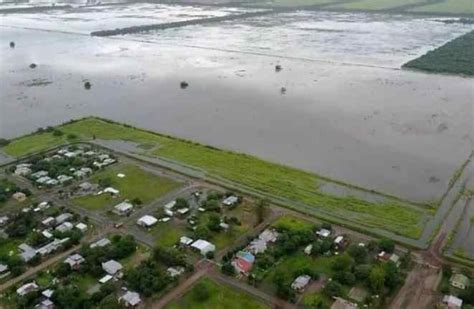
[275,179]
[376,5]
[455,57]
[137,183]
[216,296]
[464,7]
[295,3]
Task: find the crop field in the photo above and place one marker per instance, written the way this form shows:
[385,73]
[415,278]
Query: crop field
[218,296]
[271,178]
[448,6]
[455,57]
[137,183]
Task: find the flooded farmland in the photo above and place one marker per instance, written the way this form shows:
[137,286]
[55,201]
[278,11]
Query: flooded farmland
[348,112]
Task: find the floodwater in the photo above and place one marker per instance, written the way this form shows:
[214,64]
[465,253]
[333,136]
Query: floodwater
[400,132]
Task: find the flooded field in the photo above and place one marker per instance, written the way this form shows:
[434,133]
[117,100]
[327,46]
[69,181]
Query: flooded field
[400,132]
[372,39]
[87,19]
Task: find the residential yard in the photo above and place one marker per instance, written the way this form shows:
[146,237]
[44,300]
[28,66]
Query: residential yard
[207,294]
[137,183]
[167,234]
[272,178]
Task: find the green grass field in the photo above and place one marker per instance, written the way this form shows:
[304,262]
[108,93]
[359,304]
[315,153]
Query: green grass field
[271,178]
[292,223]
[167,234]
[376,5]
[220,296]
[448,6]
[137,183]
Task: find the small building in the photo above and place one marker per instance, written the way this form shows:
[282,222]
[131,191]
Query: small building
[27,253]
[301,283]
[101,243]
[45,304]
[183,211]
[459,281]
[230,200]
[62,218]
[50,221]
[123,208]
[4,271]
[170,205]
[105,279]
[22,170]
[64,227]
[395,259]
[269,235]
[112,267]
[3,220]
[111,190]
[19,196]
[323,233]
[85,186]
[174,272]
[39,174]
[130,299]
[147,221]
[27,288]
[308,249]
[203,246]
[383,256]
[224,226]
[75,261]
[52,246]
[169,212]
[81,227]
[243,262]
[452,302]
[47,293]
[47,234]
[64,178]
[185,241]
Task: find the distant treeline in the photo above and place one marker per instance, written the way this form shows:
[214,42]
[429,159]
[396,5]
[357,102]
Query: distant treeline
[455,57]
[136,29]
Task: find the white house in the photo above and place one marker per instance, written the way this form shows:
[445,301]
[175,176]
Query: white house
[123,208]
[174,272]
[203,246]
[4,271]
[186,241]
[324,233]
[64,227]
[111,191]
[452,302]
[81,227]
[48,221]
[147,221]
[231,200]
[27,288]
[112,267]
[101,243]
[75,261]
[130,299]
[300,283]
[63,218]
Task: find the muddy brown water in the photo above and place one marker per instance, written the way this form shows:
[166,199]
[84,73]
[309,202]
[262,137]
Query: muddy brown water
[400,132]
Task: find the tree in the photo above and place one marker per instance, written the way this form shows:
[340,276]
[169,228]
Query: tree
[377,279]
[387,245]
[362,272]
[342,263]
[181,203]
[213,223]
[228,269]
[202,232]
[359,253]
[58,133]
[333,289]
[392,275]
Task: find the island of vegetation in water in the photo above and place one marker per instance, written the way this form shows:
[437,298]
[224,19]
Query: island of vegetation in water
[455,57]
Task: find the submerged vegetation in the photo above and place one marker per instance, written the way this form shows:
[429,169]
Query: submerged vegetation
[295,185]
[455,57]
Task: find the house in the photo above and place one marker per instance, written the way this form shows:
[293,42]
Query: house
[105,279]
[230,200]
[48,222]
[4,271]
[45,304]
[62,218]
[147,221]
[85,186]
[41,206]
[23,169]
[39,174]
[111,190]
[340,242]
[165,219]
[174,272]
[123,208]
[203,246]
[26,252]
[19,196]
[52,182]
[308,249]
[323,233]
[47,234]
[112,267]
[64,178]
[383,256]
[395,259]
[186,241]
[27,288]
[64,227]
[81,227]
[52,246]
[169,212]
[243,262]
[3,220]
[269,235]
[459,281]
[452,302]
[75,261]
[130,299]
[301,283]
[183,211]
[170,205]
[259,245]
[101,243]
[47,293]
